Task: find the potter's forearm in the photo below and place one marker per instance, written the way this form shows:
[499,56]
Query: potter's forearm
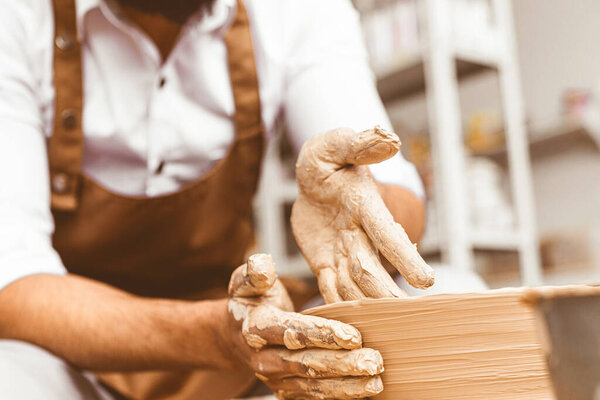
[100,328]
[408,210]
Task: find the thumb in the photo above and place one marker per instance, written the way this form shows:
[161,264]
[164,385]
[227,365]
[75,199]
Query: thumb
[328,152]
[371,146]
[332,151]
[254,278]
[340,147]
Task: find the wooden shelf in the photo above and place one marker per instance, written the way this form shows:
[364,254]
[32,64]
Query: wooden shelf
[548,141]
[409,79]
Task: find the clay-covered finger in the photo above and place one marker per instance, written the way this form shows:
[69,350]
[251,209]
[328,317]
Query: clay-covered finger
[327,279]
[373,146]
[324,154]
[268,325]
[346,286]
[312,225]
[318,363]
[367,270]
[337,388]
[344,146]
[254,278]
[393,242]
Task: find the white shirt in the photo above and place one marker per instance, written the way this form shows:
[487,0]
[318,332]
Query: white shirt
[313,74]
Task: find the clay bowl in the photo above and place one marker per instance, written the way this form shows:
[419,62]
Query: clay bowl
[452,346]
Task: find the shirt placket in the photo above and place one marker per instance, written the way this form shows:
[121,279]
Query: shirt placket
[155,104]
[164,135]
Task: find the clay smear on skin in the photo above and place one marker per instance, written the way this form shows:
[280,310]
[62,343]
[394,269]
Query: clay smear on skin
[341,389]
[340,221]
[361,362]
[259,302]
[474,346]
[259,322]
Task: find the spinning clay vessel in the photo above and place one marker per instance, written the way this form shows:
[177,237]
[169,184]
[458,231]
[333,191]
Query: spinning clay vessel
[452,346]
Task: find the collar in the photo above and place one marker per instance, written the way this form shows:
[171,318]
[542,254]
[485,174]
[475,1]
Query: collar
[220,17]
[82,7]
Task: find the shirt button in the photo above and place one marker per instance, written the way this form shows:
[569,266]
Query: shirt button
[60,183]
[69,118]
[64,42]
[159,168]
[161,82]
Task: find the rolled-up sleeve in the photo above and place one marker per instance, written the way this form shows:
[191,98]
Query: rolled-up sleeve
[26,224]
[329,83]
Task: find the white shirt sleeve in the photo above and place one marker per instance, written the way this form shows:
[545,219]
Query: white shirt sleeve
[26,224]
[329,83]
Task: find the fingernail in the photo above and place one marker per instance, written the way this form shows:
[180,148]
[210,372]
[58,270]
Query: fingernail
[379,151]
[349,335]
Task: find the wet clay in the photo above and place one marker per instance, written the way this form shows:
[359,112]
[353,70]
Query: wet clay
[319,363]
[296,355]
[341,223]
[455,346]
[347,388]
[260,302]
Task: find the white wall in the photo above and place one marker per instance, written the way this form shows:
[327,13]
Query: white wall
[567,189]
[559,48]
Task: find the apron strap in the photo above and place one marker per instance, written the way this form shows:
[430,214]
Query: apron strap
[243,75]
[66,143]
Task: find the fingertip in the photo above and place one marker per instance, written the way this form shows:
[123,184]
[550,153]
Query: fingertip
[424,278]
[261,270]
[347,336]
[387,135]
[370,361]
[430,279]
[375,145]
[374,386]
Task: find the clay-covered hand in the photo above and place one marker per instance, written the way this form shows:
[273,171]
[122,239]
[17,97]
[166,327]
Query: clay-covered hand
[297,356]
[341,223]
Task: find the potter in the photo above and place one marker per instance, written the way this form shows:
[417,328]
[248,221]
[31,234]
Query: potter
[132,135]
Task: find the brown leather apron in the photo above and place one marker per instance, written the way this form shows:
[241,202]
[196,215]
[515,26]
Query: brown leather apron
[180,245]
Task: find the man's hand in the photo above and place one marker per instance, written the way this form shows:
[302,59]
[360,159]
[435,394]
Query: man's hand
[340,221]
[297,356]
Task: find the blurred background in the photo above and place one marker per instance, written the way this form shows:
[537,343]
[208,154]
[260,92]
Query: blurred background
[497,103]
